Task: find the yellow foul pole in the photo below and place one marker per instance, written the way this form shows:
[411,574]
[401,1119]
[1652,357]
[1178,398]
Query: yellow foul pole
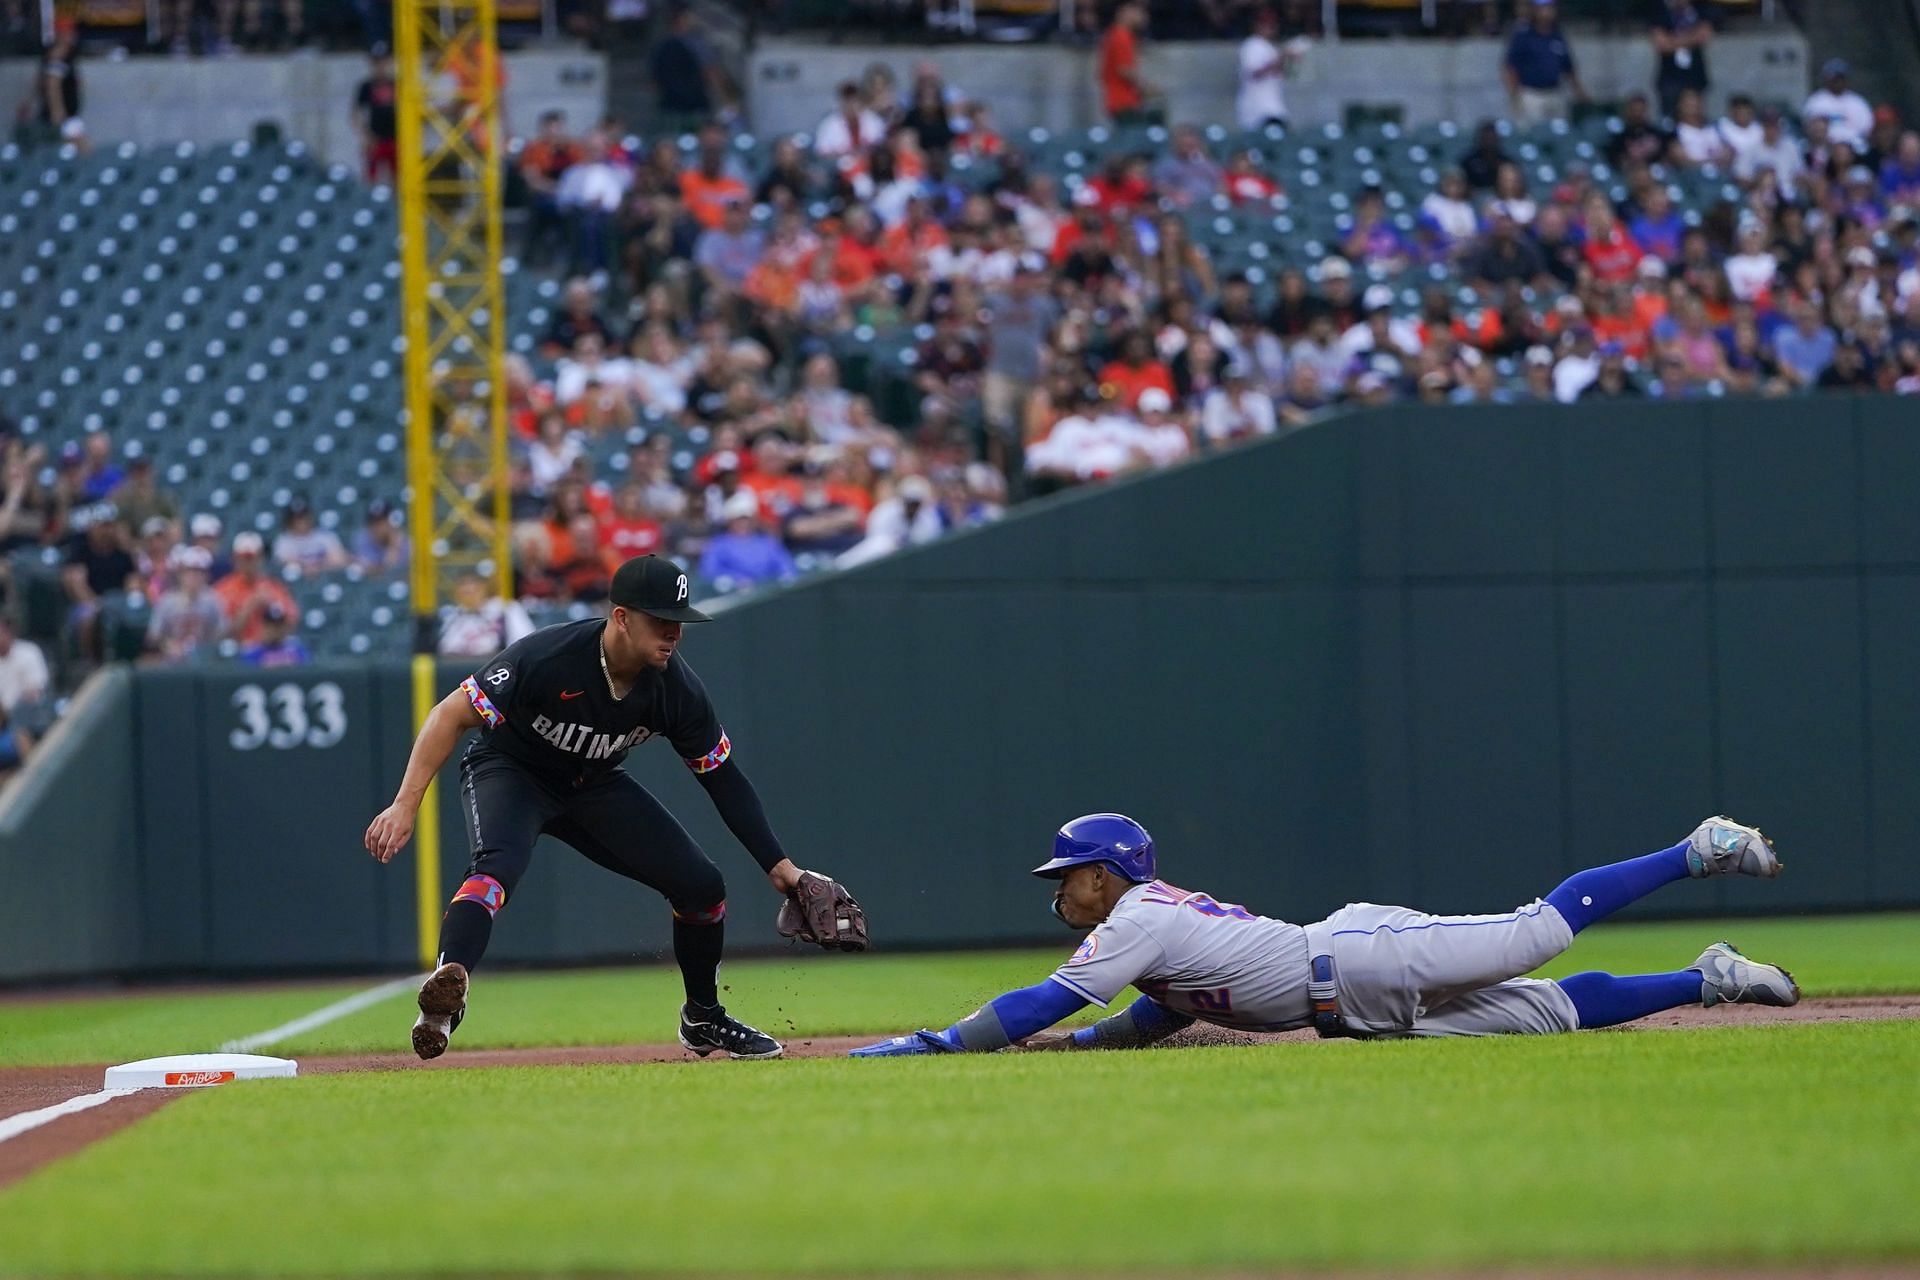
[453,319]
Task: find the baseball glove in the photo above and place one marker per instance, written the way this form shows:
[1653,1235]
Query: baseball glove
[820,910]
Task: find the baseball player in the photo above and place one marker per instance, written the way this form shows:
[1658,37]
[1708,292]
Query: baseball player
[558,711]
[1366,971]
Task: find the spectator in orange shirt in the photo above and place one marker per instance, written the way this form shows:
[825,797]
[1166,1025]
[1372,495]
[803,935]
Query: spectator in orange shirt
[1619,322]
[844,489]
[912,237]
[1128,98]
[1124,379]
[247,592]
[707,187]
[1650,293]
[771,481]
[980,138]
[854,249]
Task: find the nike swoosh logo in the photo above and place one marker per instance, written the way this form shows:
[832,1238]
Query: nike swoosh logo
[569,697]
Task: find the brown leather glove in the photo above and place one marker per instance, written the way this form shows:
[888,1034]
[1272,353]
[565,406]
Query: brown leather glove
[821,911]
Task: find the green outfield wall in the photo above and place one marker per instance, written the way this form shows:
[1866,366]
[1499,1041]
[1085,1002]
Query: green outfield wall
[1439,657]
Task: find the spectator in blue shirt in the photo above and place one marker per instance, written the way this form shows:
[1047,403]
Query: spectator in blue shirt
[277,645]
[744,554]
[1539,70]
[1900,172]
[1657,228]
[1804,351]
[16,744]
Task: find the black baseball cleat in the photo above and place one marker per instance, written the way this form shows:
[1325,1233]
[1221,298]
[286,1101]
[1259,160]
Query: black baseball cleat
[706,1030]
[443,1003]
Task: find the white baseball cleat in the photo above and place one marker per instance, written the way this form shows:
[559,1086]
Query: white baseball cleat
[443,1003]
[1722,847]
[1727,977]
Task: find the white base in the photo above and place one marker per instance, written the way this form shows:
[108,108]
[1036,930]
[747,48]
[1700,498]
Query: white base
[196,1070]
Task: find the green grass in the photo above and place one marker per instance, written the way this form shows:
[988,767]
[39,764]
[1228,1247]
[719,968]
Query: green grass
[827,995]
[1738,1145]
[120,1028]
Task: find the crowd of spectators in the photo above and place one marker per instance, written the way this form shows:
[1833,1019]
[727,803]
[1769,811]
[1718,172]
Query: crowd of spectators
[689,395]
[127,551]
[1068,331]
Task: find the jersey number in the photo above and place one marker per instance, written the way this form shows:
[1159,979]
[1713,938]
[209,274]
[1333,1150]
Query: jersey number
[1220,910]
[1218,1000]
[288,716]
[1167,895]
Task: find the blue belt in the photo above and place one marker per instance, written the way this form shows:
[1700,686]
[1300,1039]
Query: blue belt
[1324,996]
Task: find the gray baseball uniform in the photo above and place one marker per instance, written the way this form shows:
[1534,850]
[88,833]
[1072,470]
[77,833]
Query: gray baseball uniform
[1399,972]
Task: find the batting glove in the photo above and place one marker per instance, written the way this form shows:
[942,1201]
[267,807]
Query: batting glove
[907,1045]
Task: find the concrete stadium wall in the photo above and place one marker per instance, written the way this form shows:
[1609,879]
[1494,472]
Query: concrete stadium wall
[1439,657]
[71,898]
[791,81]
[219,100]
[790,84]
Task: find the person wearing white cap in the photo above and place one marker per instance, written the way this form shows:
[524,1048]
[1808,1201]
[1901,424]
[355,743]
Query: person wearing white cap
[1379,329]
[188,618]
[1537,377]
[1321,351]
[1159,432]
[1750,272]
[1336,290]
[744,554]
[205,532]
[1849,117]
[245,593]
[908,516]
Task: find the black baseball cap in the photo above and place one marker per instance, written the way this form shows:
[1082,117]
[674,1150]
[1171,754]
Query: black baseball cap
[656,586]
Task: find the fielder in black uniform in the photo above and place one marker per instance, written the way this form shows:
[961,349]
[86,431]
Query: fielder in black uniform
[558,711]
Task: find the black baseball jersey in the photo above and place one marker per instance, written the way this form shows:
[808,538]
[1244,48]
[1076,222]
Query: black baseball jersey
[547,707]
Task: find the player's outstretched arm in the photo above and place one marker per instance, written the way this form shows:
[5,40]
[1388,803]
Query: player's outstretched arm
[1146,1021]
[818,908]
[446,724]
[738,805]
[1002,1021]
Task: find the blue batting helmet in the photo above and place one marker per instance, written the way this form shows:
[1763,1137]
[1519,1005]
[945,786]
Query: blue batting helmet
[1112,838]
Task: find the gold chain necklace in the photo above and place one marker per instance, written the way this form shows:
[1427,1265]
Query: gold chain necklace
[601,649]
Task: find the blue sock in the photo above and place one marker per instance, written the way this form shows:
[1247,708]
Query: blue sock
[1586,896]
[1604,1000]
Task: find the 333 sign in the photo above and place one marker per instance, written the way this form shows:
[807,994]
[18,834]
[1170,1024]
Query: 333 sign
[286,716]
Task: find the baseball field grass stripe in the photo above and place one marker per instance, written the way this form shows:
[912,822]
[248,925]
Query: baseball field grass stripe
[27,1121]
[1743,1147]
[801,995]
[322,1016]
